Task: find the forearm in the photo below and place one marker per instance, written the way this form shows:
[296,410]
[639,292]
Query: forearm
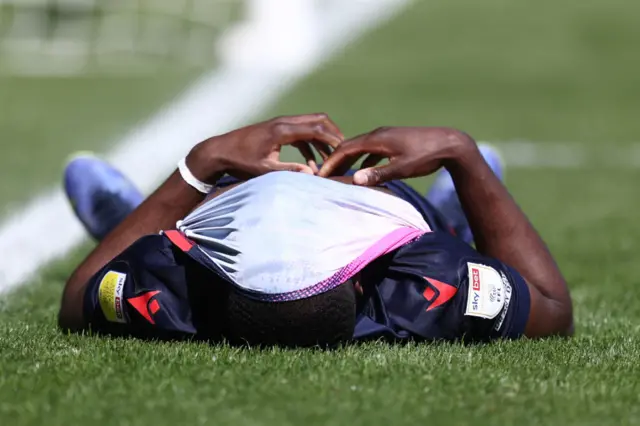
[250,151]
[502,230]
[168,204]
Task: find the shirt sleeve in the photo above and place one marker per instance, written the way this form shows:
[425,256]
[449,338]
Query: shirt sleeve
[492,299]
[439,287]
[152,290]
[495,299]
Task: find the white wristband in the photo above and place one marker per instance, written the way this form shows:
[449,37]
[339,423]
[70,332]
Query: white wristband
[191,179]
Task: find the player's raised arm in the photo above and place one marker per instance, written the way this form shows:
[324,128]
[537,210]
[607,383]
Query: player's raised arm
[247,152]
[500,228]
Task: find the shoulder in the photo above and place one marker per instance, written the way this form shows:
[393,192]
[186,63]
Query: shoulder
[487,298]
[433,251]
[152,289]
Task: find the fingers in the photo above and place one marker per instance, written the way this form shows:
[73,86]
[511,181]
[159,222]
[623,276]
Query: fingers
[276,166]
[376,175]
[307,153]
[319,118]
[332,126]
[338,166]
[346,155]
[318,127]
[288,133]
[371,160]
[323,150]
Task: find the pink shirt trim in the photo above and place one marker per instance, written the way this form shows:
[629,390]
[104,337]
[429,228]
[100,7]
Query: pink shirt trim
[386,244]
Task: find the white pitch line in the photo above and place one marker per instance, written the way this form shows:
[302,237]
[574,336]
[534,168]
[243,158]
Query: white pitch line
[568,155]
[45,229]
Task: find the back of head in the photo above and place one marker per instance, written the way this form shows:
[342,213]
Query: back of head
[325,320]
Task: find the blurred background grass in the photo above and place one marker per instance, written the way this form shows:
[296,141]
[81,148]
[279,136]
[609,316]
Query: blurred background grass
[501,70]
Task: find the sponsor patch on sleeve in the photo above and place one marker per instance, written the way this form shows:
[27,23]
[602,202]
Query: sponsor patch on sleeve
[486,292]
[110,296]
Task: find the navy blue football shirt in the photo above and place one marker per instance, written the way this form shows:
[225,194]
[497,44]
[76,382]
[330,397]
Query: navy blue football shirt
[434,288]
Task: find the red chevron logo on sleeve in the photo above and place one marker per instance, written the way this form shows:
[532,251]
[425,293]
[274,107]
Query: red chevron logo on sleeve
[444,294]
[145,305]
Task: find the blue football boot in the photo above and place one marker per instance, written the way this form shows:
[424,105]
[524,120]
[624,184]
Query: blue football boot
[100,195]
[443,196]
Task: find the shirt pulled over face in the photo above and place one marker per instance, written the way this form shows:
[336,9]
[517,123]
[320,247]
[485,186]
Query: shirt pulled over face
[286,236]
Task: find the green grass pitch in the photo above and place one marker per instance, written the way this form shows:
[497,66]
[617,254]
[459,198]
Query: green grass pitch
[551,70]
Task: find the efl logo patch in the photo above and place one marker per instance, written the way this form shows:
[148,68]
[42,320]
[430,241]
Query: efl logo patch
[507,301]
[110,296]
[486,292]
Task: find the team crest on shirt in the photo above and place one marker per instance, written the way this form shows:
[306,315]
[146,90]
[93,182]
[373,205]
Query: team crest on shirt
[486,292]
[110,296]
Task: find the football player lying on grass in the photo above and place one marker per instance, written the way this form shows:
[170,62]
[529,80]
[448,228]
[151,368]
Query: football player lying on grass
[298,256]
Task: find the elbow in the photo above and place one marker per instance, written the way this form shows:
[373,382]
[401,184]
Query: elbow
[570,330]
[564,325]
[67,322]
[70,315]
[568,326]
[560,311]
[550,317]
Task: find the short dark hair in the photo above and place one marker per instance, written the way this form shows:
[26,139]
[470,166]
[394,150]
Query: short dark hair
[324,320]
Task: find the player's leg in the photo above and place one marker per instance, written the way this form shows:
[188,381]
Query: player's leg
[101,196]
[442,194]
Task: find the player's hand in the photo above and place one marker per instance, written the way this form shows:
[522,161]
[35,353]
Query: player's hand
[255,150]
[411,151]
